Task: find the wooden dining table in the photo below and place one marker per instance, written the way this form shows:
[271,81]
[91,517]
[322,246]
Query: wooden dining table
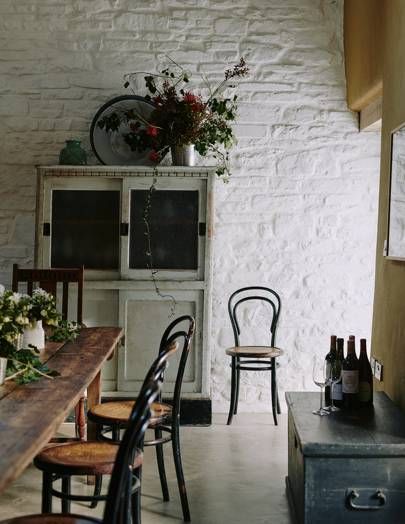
[31,414]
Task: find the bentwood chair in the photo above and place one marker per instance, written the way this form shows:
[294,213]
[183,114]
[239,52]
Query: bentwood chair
[48,279]
[118,506]
[165,421]
[91,458]
[254,358]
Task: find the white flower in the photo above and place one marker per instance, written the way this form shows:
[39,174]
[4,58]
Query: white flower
[6,319]
[43,313]
[15,297]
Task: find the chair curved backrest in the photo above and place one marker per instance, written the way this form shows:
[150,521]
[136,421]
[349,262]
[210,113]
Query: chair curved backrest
[254,293]
[174,334]
[48,280]
[119,491]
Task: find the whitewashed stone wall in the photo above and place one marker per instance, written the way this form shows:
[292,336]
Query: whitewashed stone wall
[299,214]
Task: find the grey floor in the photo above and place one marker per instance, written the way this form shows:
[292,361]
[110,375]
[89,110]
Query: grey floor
[234,475]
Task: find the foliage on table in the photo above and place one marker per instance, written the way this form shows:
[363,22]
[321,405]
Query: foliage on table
[181,116]
[24,366]
[66,331]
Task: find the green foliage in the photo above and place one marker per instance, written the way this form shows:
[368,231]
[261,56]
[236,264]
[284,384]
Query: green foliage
[24,366]
[65,331]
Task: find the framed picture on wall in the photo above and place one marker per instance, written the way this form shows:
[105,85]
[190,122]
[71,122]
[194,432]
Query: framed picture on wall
[396,209]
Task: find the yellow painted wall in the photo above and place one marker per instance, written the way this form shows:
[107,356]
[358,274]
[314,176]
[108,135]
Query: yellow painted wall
[388,338]
[363,36]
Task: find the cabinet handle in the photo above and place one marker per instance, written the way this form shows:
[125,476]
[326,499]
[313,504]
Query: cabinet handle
[124,227]
[352,495]
[46,229]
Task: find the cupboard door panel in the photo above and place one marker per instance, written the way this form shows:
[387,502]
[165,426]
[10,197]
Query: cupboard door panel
[173,227]
[145,316]
[85,229]
[166,220]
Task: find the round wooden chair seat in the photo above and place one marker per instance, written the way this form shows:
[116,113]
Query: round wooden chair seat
[117,412]
[81,458]
[51,519]
[254,352]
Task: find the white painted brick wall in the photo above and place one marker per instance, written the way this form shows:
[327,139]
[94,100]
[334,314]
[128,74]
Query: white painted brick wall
[300,212]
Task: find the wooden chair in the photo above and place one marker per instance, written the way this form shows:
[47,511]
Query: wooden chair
[165,421]
[254,358]
[90,458]
[48,279]
[120,493]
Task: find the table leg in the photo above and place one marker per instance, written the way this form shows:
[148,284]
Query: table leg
[93,398]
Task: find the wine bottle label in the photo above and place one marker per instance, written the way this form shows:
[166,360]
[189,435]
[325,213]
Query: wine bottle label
[364,391]
[350,381]
[337,391]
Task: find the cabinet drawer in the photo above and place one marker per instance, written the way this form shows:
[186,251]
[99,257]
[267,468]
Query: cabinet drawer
[354,490]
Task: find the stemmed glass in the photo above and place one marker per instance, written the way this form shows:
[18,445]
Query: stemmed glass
[335,376]
[321,377]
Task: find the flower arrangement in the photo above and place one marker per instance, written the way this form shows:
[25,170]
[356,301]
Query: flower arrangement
[17,312]
[43,307]
[14,317]
[181,116]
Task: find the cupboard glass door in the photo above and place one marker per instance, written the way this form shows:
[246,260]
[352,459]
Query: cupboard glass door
[166,229]
[82,225]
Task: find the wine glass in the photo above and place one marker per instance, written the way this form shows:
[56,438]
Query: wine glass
[320,376]
[335,376]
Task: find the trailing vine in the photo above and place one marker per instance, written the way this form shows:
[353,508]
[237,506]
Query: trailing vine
[148,253]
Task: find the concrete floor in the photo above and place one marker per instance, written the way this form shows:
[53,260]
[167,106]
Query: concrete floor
[233,475]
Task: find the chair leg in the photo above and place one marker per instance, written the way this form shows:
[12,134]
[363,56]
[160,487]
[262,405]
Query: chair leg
[46,493]
[115,431]
[274,393]
[65,503]
[233,392]
[179,471]
[136,499]
[80,420]
[97,490]
[235,411]
[161,465]
[278,404]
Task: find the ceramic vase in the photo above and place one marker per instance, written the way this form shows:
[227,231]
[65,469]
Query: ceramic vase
[34,336]
[3,367]
[73,154]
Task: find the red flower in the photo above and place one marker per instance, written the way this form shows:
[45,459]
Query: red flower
[190,98]
[154,156]
[152,131]
[194,101]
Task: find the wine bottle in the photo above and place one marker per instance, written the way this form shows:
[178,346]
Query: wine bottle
[365,376]
[350,376]
[330,360]
[337,372]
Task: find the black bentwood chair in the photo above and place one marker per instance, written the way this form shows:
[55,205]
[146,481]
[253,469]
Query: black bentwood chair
[254,358]
[165,420]
[94,458]
[117,509]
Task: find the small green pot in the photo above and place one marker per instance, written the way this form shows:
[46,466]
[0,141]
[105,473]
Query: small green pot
[73,154]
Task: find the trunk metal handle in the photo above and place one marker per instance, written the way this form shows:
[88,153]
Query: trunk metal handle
[352,495]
